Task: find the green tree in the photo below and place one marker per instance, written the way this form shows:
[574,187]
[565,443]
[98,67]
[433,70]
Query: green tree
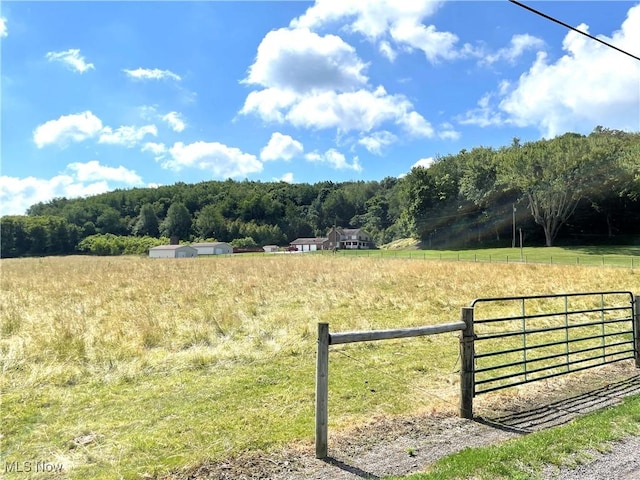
[553,175]
[177,222]
[147,223]
[210,223]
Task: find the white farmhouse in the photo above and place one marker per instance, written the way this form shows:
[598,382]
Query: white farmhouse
[173,251]
[212,248]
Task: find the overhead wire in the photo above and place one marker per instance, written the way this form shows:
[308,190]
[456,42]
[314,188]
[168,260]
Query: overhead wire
[555,20]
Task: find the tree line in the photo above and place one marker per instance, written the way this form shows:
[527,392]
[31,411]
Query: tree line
[572,188]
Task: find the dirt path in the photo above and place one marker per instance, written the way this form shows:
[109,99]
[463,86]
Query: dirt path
[399,446]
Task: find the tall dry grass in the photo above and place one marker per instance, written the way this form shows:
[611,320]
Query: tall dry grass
[65,317]
[214,356]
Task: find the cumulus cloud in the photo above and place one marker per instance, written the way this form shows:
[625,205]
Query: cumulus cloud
[72,59]
[83,126]
[175,121]
[519,44]
[3,27]
[371,19]
[152,74]
[387,50]
[415,124]
[334,159]
[287,177]
[222,161]
[303,61]
[447,132]
[92,171]
[318,82]
[424,163]
[375,142]
[126,136]
[281,147]
[386,21]
[155,148]
[80,180]
[590,85]
[67,128]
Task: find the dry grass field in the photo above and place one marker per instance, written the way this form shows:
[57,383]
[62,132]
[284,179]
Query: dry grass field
[127,366]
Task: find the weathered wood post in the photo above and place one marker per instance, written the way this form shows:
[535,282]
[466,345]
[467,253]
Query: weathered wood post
[466,364]
[322,390]
[636,329]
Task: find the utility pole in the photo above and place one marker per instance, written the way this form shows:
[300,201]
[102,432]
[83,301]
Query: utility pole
[513,241]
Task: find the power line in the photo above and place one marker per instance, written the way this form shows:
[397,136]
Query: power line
[572,28]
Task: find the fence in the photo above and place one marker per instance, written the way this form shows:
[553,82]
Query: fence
[613,260]
[590,329]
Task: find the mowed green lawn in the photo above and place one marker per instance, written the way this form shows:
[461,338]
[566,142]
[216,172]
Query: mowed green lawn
[126,366]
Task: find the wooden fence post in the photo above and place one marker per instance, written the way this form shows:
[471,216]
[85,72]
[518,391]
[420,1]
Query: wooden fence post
[322,390]
[636,329]
[466,364]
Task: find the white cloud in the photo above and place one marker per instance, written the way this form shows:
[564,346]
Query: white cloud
[590,85]
[335,159]
[518,45]
[416,125]
[152,74]
[67,128]
[175,121]
[270,104]
[447,132]
[287,177]
[388,20]
[360,110]
[375,142]
[371,19]
[3,27]
[317,82]
[155,148]
[387,50]
[72,59]
[424,163]
[92,171]
[126,136]
[281,147]
[221,160]
[80,180]
[303,61]
[433,43]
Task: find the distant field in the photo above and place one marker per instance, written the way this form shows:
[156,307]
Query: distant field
[124,366]
[616,256]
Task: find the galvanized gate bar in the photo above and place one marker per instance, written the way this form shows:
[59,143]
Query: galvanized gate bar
[557,355]
[561,342]
[552,329]
[556,295]
[543,315]
[614,351]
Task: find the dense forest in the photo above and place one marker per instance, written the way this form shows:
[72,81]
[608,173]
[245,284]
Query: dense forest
[570,189]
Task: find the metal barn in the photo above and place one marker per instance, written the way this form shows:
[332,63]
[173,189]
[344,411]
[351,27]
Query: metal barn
[173,251]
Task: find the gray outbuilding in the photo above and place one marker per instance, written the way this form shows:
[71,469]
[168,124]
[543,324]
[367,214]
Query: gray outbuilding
[212,248]
[173,251]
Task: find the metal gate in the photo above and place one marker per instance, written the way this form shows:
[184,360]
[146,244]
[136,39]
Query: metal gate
[523,339]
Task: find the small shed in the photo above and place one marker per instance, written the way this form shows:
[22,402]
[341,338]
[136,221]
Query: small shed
[212,248]
[173,251]
[271,248]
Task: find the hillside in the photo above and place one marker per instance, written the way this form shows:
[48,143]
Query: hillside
[571,189]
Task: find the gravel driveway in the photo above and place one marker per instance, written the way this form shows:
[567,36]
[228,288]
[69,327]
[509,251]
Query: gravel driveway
[399,446]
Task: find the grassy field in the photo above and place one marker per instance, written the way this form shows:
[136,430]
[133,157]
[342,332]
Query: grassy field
[126,366]
[620,256]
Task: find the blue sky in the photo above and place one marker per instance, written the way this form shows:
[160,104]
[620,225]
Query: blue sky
[104,95]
